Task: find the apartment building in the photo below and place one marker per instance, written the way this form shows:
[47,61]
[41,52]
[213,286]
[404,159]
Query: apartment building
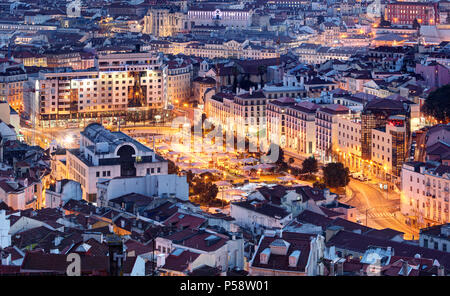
[214,48]
[125,85]
[229,49]
[316,54]
[105,154]
[375,115]
[233,18]
[292,125]
[389,147]
[243,113]
[326,117]
[425,193]
[404,13]
[179,81]
[12,80]
[346,141]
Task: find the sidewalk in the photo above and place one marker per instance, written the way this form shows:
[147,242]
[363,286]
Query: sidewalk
[348,195]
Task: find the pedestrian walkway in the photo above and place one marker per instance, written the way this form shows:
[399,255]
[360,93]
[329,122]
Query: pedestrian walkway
[381,215]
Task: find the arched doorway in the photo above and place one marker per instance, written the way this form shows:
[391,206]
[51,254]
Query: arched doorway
[126,161]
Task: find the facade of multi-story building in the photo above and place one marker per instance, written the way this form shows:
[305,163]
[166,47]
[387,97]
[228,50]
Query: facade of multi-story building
[243,114]
[215,48]
[326,117]
[233,18]
[404,13]
[389,147]
[179,81]
[316,54]
[292,125]
[436,237]
[376,114]
[347,141]
[67,58]
[425,193]
[200,85]
[230,49]
[105,154]
[12,80]
[131,85]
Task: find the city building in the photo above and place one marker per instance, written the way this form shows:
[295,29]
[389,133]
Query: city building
[243,113]
[105,154]
[164,22]
[377,115]
[150,185]
[326,118]
[436,237]
[292,125]
[346,141]
[12,81]
[404,13]
[233,18]
[179,81]
[425,193]
[131,86]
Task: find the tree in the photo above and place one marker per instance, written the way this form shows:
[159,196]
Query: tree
[437,104]
[172,168]
[209,195]
[336,175]
[309,165]
[416,24]
[190,177]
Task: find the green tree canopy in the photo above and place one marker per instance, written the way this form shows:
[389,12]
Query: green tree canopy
[437,104]
[172,167]
[309,165]
[336,175]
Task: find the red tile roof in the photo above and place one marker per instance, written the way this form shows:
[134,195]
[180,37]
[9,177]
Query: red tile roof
[181,261]
[297,242]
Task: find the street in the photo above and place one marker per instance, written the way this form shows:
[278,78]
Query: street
[382,212]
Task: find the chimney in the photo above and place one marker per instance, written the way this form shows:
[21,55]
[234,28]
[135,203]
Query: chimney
[340,268]
[332,269]
[441,271]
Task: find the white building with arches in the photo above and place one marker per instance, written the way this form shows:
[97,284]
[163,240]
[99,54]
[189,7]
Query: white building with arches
[106,154]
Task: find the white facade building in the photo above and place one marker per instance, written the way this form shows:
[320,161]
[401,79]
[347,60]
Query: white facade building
[159,186]
[425,193]
[105,154]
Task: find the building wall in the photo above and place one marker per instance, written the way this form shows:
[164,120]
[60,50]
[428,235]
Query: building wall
[251,219]
[110,91]
[162,185]
[404,13]
[417,201]
[5,237]
[179,84]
